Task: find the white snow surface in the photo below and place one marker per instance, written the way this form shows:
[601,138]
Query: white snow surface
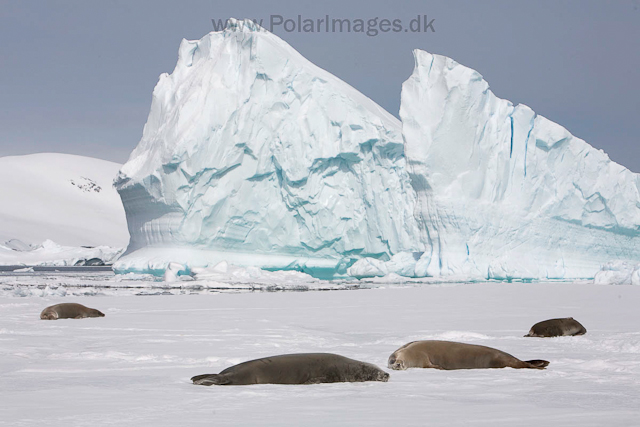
[65,198]
[252,154]
[133,366]
[504,192]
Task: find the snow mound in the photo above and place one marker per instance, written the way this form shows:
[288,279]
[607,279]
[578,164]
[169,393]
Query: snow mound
[61,197]
[227,276]
[618,273]
[232,274]
[253,151]
[401,264]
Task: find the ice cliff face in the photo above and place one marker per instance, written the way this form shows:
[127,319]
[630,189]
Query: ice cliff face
[503,192]
[254,155]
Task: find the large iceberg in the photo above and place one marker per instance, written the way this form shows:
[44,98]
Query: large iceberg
[253,155]
[505,193]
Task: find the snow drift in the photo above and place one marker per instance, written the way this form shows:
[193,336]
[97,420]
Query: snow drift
[253,155]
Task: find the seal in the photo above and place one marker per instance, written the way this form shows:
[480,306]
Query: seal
[567,326]
[69,310]
[455,355]
[302,368]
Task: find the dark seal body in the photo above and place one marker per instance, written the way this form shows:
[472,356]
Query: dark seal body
[567,326]
[303,368]
[69,310]
[454,355]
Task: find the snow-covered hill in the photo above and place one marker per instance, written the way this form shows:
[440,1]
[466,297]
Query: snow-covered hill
[61,197]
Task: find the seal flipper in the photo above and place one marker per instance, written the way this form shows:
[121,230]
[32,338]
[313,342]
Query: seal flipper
[210,379]
[316,380]
[537,364]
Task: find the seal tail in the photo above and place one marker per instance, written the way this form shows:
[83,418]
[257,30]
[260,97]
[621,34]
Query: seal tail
[537,364]
[210,379]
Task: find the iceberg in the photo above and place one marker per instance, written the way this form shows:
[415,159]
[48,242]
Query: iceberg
[253,155]
[504,193]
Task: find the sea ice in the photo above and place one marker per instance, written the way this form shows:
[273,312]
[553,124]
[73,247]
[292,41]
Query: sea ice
[133,366]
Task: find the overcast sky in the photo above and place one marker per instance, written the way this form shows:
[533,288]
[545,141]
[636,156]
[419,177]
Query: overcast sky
[77,77]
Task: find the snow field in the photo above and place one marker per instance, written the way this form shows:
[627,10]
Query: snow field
[133,366]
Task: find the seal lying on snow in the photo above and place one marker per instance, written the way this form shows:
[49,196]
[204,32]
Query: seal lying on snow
[455,355]
[557,328]
[69,310]
[303,368]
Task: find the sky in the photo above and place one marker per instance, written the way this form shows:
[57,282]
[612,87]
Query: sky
[77,76]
